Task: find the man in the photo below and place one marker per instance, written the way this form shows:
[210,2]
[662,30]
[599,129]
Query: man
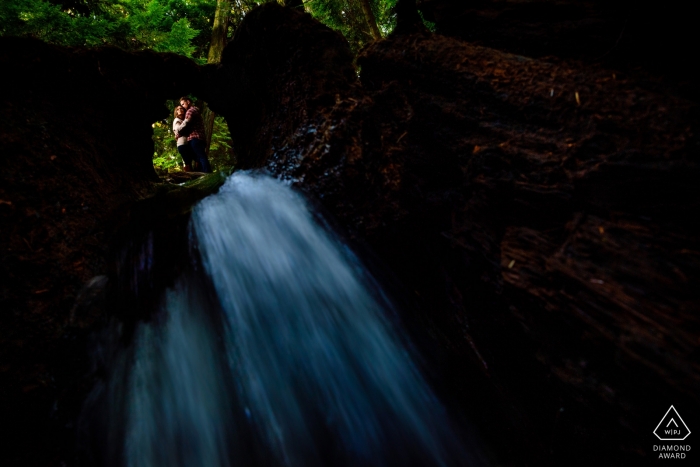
[197,138]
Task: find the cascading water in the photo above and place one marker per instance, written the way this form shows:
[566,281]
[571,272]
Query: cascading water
[294,362]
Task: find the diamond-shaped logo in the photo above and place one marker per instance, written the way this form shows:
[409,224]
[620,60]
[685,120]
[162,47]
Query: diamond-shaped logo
[672,427]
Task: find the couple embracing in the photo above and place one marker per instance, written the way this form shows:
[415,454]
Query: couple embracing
[190,135]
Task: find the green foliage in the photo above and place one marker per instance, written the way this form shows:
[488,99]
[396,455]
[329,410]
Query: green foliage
[220,152]
[165,155]
[41,19]
[386,18]
[200,15]
[348,18]
[428,24]
[178,39]
[161,25]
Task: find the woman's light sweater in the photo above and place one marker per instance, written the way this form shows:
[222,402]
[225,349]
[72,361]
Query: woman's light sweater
[179,124]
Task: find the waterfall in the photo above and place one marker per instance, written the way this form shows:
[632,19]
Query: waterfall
[292,359]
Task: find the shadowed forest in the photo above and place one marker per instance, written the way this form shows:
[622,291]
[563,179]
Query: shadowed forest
[437,232]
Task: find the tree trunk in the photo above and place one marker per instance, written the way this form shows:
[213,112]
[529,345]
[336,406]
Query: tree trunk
[218,42]
[219,30]
[371,20]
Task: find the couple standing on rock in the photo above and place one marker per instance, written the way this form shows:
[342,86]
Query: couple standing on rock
[190,135]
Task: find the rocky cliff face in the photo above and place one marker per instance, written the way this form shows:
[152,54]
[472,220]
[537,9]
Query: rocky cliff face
[537,212]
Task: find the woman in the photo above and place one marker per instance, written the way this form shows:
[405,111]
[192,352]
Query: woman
[183,146]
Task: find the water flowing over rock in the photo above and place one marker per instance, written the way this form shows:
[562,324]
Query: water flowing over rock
[316,373]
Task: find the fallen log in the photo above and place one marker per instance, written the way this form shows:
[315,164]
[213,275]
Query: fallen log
[540,213]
